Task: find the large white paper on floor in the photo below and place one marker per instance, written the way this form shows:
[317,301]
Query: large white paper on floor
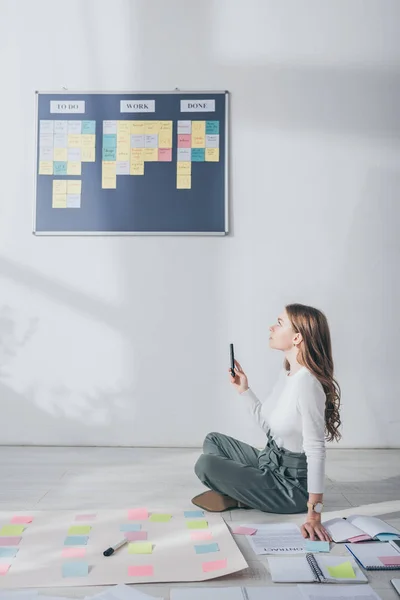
[276,538]
[333,592]
[237,593]
[39,561]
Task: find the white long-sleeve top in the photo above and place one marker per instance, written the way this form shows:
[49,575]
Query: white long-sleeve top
[297,421]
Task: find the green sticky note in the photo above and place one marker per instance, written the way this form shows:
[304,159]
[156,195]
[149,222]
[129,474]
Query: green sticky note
[140,548]
[200,524]
[10,530]
[160,518]
[79,530]
[342,571]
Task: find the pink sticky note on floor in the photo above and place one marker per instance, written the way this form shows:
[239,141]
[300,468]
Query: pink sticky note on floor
[201,535]
[73,552]
[4,569]
[360,538]
[21,519]
[134,536]
[85,517]
[10,541]
[140,571]
[214,565]
[138,514]
[390,561]
[243,530]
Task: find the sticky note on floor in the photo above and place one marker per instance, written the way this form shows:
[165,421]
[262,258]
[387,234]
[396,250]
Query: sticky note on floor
[342,571]
[314,546]
[77,568]
[4,568]
[136,536]
[140,548]
[200,524]
[138,514]
[385,537]
[243,530]
[160,518]
[76,540]
[390,561]
[200,535]
[73,552]
[193,514]
[130,527]
[8,552]
[141,571]
[10,541]
[79,530]
[90,517]
[214,565]
[206,548]
[7,530]
[20,519]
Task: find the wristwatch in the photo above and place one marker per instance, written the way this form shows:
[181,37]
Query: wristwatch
[315,506]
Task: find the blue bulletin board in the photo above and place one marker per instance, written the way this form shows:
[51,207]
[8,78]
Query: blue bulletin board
[131,163]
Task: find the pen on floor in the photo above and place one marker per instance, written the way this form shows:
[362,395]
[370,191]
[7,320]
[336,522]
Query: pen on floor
[112,549]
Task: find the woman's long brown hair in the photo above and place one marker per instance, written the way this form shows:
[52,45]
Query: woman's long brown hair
[315,353]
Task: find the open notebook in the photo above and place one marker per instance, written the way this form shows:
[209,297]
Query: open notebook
[380,556]
[358,528]
[309,569]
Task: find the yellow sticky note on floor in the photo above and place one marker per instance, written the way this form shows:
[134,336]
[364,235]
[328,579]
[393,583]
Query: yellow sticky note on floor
[59,186]
[140,548]
[160,518]
[74,186]
[46,167]
[88,154]
[212,155]
[183,182]
[79,530]
[10,530]
[200,524]
[342,571]
[60,154]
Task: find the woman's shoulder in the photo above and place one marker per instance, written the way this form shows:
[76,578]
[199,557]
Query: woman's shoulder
[307,381]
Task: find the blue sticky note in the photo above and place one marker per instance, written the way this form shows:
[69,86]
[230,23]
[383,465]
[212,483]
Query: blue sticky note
[212,127]
[89,127]
[109,140]
[109,153]
[198,154]
[76,540]
[60,167]
[385,537]
[193,514]
[75,568]
[311,546]
[206,548]
[8,552]
[130,527]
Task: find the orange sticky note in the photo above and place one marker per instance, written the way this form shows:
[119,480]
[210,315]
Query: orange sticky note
[140,571]
[214,565]
[73,552]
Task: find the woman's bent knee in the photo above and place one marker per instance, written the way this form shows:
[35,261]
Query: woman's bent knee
[204,466]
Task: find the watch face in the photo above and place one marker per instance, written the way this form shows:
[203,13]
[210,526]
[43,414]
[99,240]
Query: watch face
[318,507]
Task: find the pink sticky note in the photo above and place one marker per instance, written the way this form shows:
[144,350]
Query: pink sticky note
[184,140]
[214,565]
[73,552]
[138,514]
[19,520]
[201,535]
[85,517]
[140,571]
[390,561]
[10,541]
[4,569]
[165,154]
[134,536]
[360,538]
[243,530]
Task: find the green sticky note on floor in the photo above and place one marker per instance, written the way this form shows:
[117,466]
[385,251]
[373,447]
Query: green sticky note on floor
[10,530]
[79,530]
[200,524]
[160,518]
[140,548]
[342,571]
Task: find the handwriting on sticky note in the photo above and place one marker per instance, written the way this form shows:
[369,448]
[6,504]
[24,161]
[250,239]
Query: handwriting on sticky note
[200,535]
[200,524]
[160,518]
[140,548]
[77,568]
[20,519]
[214,565]
[135,536]
[140,571]
[342,571]
[138,514]
[243,530]
[73,552]
[79,530]
[10,541]
[8,530]
[314,546]
[4,568]
[390,561]
[206,548]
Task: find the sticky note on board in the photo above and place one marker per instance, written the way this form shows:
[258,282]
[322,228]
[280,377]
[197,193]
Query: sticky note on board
[89,127]
[206,548]
[140,548]
[88,141]
[198,154]
[214,565]
[59,187]
[74,167]
[165,154]
[11,530]
[183,182]
[314,546]
[140,571]
[212,127]
[342,571]
[60,154]
[74,141]
[150,154]
[123,126]
[79,530]
[160,517]
[212,154]
[59,201]
[74,186]
[137,128]
[184,168]
[88,155]
[75,569]
[60,168]
[45,167]
[200,524]
[136,168]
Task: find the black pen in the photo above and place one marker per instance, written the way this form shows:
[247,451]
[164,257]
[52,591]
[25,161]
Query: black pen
[112,549]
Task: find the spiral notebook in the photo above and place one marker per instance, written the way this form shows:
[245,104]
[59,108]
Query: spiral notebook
[376,556]
[310,569]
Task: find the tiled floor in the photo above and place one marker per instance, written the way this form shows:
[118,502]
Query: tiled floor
[362,481]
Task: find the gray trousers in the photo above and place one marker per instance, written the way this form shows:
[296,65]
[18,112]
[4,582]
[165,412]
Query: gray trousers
[272,480]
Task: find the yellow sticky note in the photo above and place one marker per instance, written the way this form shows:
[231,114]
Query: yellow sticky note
[137,127]
[212,154]
[140,548]
[160,518]
[165,139]
[79,530]
[59,201]
[109,168]
[199,128]
[342,571]
[123,127]
[74,167]
[137,168]
[150,154]
[123,151]
[59,186]
[88,154]
[183,182]
[10,530]
[198,524]
[184,167]
[88,140]
[109,183]
[137,155]
[74,186]
[198,141]
[74,140]
[46,167]
[151,127]
[109,175]
[165,127]
[60,154]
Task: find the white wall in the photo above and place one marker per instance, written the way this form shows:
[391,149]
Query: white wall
[124,341]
